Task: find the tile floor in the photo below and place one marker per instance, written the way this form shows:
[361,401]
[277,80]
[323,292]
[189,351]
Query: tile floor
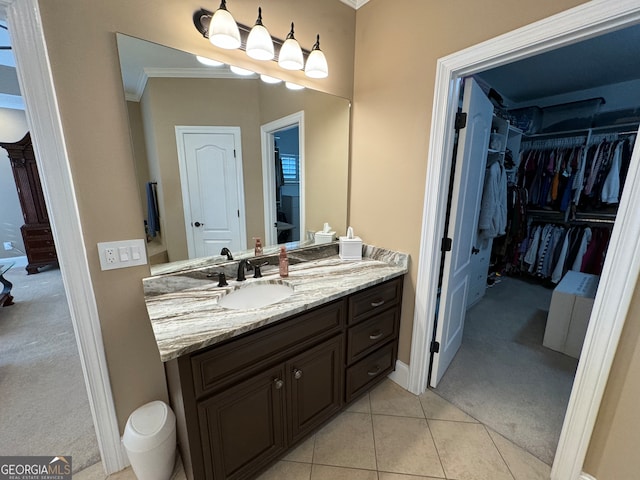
[390,434]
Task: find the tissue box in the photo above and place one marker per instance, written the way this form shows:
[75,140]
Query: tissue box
[324,237]
[350,248]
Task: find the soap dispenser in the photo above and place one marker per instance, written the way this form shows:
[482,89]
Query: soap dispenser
[284,262]
[258,248]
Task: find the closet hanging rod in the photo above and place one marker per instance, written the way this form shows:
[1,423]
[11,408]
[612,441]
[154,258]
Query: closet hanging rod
[586,131]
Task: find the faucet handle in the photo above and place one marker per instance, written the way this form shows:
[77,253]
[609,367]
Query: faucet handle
[222,278]
[257,273]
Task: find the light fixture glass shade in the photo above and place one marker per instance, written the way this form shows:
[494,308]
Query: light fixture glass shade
[290,56]
[240,71]
[223,29]
[259,43]
[293,86]
[316,66]
[208,61]
[268,79]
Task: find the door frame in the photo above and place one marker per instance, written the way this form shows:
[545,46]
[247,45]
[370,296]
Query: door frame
[181,130]
[269,172]
[622,266]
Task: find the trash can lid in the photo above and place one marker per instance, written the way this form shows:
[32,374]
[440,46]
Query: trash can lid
[148,426]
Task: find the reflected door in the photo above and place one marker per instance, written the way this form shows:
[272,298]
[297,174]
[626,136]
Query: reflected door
[212,189]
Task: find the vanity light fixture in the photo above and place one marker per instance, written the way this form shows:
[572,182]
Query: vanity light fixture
[290,57]
[268,79]
[316,66]
[293,86]
[259,43]
[208,61]
[223,29]
[241,71]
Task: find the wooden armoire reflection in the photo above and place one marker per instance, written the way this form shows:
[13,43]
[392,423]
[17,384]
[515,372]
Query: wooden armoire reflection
[36,231]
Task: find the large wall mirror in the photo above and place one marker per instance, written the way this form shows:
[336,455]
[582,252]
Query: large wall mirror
[223,159]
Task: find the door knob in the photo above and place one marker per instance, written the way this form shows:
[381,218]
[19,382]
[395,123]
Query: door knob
[278,383]
[198,224]
[297,374]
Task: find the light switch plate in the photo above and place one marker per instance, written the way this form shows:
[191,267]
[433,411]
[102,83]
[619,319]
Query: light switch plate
[121,254]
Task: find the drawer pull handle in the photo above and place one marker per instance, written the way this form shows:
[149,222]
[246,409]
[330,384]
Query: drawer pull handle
[375,335]
[376,370]
[297,374]
[377,303]
[278,383]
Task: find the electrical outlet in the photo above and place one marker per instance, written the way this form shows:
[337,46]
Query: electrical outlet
[110,255]
[8,245]
[120,254]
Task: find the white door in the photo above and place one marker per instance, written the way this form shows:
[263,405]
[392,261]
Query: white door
[471,160]
[212,189]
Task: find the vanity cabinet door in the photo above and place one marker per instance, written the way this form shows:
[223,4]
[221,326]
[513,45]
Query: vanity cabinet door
[315,385]
[242,428]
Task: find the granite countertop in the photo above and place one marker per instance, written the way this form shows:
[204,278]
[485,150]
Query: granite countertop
[184,311]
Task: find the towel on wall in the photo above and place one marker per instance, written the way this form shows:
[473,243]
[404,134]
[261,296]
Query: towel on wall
[153,218]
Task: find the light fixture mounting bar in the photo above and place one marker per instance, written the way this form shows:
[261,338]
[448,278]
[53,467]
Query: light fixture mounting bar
[202,19]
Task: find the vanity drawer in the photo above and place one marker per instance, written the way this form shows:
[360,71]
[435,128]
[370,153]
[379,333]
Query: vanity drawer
[369,370]
[230,362]
[368,335]
[372,300]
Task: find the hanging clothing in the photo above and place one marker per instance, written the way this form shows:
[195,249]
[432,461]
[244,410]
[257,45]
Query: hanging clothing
[611,187]
[153,217]
[493,207]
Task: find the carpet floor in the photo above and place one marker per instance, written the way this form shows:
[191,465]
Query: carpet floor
[44,404]
[503,376]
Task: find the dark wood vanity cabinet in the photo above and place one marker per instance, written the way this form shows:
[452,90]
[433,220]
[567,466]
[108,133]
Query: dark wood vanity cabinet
[36,231]
[243,403]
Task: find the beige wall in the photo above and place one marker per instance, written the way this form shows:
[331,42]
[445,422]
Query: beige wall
[13,127]
[80,37]
[393,99]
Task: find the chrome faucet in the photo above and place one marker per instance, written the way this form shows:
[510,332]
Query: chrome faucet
[227,252]
[243,265]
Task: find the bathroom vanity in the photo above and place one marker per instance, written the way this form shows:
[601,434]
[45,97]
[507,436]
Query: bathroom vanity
[249,384]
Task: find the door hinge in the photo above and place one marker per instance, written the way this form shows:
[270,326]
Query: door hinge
[435,347]
[461,120]
[446,244]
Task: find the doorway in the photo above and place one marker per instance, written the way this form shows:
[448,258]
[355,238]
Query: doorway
[615,291]
[283,179]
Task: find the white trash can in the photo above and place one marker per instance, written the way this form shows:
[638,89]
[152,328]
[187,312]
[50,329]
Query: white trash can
[150,441]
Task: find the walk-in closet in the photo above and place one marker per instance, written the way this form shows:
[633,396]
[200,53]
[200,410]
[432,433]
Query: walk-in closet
[562,133]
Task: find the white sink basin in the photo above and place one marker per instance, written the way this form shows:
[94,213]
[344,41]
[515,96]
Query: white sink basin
[255,295]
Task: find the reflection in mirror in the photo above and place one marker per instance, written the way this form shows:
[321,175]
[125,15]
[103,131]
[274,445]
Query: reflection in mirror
[212,166]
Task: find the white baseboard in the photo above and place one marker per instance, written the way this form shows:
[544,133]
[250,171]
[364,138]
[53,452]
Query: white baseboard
[401,374]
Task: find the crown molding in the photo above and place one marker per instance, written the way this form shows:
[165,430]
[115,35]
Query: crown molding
[355,4]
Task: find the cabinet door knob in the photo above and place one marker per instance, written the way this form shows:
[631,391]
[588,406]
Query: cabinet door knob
[297,374]
[375,335]
[377,303]
[278,383]
[375,371]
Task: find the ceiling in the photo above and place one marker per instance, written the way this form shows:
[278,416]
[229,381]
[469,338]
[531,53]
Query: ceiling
[607,59]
